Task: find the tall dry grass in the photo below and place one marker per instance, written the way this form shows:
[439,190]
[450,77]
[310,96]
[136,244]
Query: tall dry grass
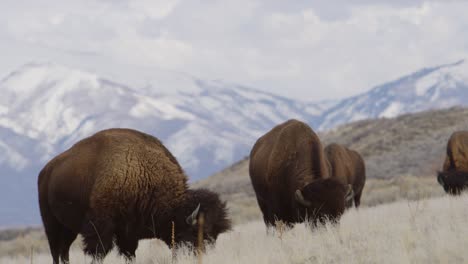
[432,230]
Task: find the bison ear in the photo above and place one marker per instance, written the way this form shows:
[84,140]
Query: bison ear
[300,199]
[192,218]
[349,193]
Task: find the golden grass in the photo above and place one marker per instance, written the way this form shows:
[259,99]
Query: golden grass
[243,208]
[424,231]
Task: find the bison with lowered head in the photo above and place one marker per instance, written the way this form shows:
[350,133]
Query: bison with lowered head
[454,175]
[347,167]
[290,176]
[121,185]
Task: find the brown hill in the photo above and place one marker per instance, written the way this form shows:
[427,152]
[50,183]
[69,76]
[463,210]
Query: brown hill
[402,156]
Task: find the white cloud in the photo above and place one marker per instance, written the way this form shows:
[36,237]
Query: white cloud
[135,49]
[155,9]
[304,50]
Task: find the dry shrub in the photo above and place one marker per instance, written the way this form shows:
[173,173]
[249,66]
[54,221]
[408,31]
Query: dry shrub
[23,243]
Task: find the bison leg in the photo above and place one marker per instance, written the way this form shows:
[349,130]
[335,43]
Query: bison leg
[127,244]
[53,239]
[58,236]
[97,239]
[60,240]
[66,239]
[268,217]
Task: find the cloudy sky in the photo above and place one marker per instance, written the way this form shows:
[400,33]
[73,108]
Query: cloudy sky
[311,50]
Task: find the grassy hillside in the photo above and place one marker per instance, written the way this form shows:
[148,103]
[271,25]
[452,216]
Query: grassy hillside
[412,144]
[425,231]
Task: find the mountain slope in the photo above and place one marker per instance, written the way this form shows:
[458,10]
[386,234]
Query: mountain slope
[410,144]
[433,88]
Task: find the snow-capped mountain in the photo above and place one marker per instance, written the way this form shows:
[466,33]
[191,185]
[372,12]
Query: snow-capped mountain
[45,108]
[55,107]
[432,88]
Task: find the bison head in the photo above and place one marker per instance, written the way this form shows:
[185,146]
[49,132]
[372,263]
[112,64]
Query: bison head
[214,212]
[454,182]
[324,199]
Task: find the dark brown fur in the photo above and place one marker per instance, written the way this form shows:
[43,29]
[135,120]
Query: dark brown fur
[454,182]
[290,158]
[120,185]
[454,174]
[347,166]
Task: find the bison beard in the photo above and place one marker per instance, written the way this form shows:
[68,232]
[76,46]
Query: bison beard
[121,185]
[454,182]
[319,199]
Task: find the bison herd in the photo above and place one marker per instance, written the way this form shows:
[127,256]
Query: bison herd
[121,185]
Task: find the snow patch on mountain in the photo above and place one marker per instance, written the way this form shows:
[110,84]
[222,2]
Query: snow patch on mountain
[147,107]
[394,109]
[444,78]
[431,88]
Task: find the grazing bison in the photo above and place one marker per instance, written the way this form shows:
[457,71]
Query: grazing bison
[347,166]
[454,174]
[290,176]
[121,185]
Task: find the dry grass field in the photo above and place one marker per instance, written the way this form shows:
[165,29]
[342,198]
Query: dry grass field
[424,231]
[405,217]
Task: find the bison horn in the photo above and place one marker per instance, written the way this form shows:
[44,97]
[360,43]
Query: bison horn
[440,178]
[192,219]
[300,199]
[349,193]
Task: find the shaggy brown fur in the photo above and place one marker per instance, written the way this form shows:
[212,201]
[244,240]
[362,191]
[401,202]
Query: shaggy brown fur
[457,152]
[347,166]
[454,175]
[120,185]
[287,159]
